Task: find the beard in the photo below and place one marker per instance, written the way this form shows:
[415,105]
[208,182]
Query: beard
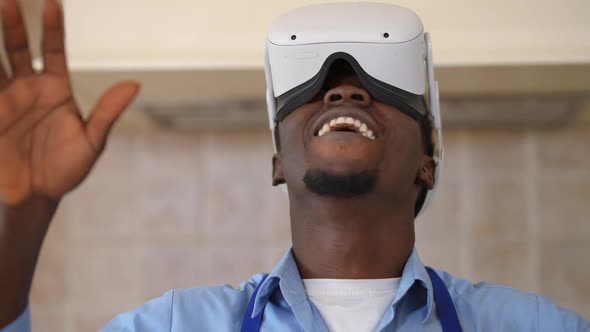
[324,183]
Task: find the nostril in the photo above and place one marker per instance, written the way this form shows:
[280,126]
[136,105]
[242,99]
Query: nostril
[335,97]
[358,97]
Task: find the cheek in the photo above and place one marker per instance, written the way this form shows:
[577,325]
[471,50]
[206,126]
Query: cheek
[292,128]
[402,151]
[292,148]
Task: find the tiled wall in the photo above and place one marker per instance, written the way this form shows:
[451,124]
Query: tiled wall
[164,209]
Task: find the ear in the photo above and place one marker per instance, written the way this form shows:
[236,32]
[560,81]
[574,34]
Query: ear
[277,170]
[425,177]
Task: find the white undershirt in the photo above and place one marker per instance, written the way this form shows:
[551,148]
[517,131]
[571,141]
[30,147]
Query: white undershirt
[351,304]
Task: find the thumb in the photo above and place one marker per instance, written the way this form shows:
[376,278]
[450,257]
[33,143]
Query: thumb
[107,110]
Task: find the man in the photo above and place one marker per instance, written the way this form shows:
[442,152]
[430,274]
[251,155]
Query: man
[357,169]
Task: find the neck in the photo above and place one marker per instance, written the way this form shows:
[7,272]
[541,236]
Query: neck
[353,238]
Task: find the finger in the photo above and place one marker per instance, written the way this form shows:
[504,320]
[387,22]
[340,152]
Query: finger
[15,39]
[4,79]
[107,111]
[53,42]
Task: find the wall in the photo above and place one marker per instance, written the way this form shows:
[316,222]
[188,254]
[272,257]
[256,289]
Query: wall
[166,210]
[220,35]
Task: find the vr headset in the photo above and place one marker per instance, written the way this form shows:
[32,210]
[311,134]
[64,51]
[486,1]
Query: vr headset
[384,44]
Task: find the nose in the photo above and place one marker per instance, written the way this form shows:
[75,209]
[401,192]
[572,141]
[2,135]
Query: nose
[347,93]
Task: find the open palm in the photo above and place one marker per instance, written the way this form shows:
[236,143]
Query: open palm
[46,147]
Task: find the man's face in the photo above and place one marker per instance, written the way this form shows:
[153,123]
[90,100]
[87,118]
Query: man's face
[342,162]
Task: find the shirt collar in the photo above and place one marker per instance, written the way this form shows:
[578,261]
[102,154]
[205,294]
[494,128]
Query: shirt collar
[286,276]
[415,272]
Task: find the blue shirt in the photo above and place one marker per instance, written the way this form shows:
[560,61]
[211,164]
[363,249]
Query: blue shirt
[481,307]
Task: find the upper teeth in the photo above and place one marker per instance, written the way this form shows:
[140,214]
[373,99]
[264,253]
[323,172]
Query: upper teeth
[361,126]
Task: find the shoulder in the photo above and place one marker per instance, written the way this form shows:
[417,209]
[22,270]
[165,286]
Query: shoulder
[188,309]
[462,289]
[488,304]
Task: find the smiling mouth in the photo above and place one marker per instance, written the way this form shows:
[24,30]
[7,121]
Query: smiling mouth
[346,124]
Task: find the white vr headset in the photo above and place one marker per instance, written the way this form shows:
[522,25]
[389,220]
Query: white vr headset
[385,45]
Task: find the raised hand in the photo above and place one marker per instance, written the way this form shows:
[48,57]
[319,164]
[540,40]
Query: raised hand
[46,147]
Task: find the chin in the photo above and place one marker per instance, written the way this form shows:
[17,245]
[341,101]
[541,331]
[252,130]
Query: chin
[345,168]
[340,183]
[341,157]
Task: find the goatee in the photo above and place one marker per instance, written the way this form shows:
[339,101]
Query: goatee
[325,183]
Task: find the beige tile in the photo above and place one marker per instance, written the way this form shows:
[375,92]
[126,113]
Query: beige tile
[498,210]
[438,235]
[102,279]
[277,219]
[49,282]
[440,221]
[59,230]
[498,151]
[168,184]
[564,150]
[120,155]
[168,151]
[106,204]
[234,265]
[108,209]
[199,210]
[169,206]
[48,318]
[154,192]
[234,216]
[453,141]
[238,170]
[506,264]
[91,322]
[272,255]
[158,207]
[442,255]
[564,274]
[564,209]
[166,268]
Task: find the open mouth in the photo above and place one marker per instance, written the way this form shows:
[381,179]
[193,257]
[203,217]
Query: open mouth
[346,124]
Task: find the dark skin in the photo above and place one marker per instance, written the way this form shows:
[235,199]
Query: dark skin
[366,236]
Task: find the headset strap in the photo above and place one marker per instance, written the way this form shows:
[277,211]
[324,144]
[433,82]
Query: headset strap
[444,304]
[252,324]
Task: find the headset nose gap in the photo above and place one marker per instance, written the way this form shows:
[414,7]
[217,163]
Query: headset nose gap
[347,93]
